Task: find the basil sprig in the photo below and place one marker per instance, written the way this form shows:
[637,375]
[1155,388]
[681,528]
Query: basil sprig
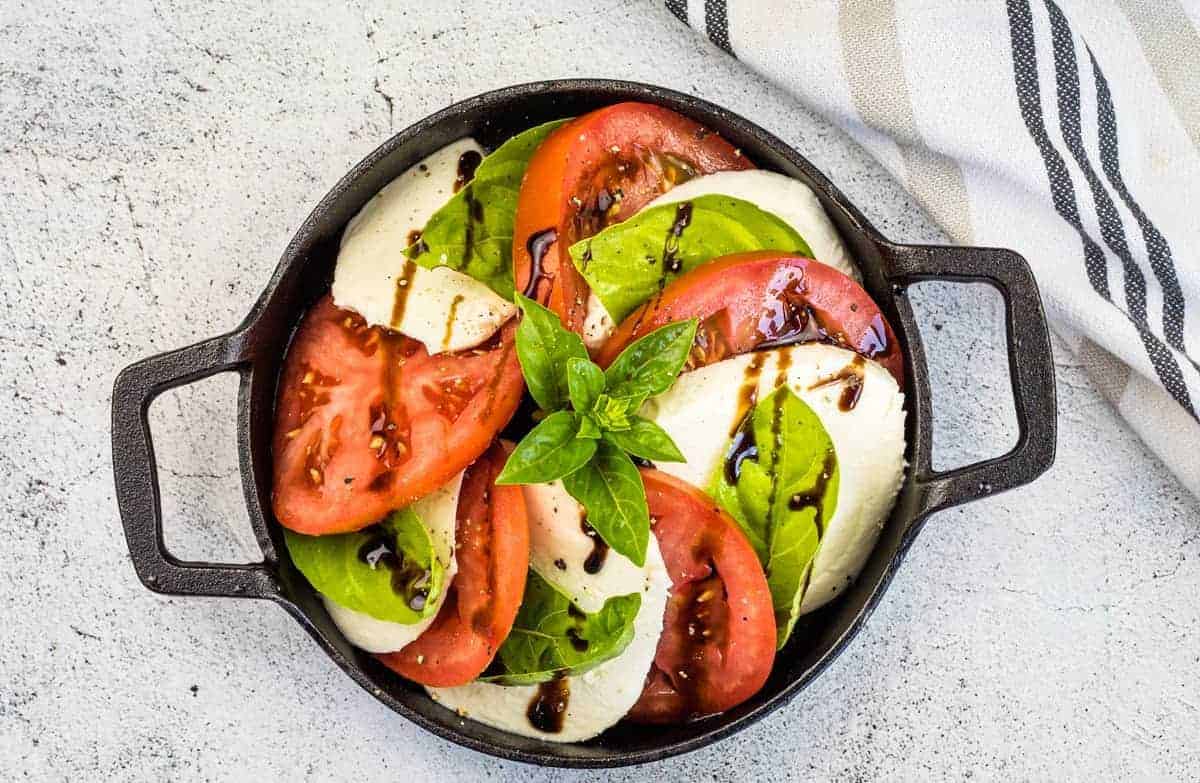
[590,425]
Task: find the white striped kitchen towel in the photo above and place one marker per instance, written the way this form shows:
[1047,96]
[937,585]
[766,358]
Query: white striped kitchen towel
[1067,130]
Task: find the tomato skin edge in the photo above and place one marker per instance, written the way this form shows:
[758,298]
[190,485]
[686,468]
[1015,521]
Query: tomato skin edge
[735,281]
[744,649]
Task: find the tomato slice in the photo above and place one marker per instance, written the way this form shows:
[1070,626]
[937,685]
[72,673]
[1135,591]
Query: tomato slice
[367,421]
[597,170]
[762,299]
[718,641]
[492,548]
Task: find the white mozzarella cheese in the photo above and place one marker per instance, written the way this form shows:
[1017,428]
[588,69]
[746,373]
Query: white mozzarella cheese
[704,408]
[443,308]
[598,325]
[439,512]
[596,700]
[788,199]
[559,550]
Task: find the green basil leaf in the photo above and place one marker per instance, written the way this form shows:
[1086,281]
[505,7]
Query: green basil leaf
[585,382]
[340,568]
[551,637]
[549,451]
[473,231]
[784,497]
[587,426]
[647,440]
[612,413]
[544,347]
[649,366]
[624,263]
[610,489]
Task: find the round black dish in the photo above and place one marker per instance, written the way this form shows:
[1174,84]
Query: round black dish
[256,349]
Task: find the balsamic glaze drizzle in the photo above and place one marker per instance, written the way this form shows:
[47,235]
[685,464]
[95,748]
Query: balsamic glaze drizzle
[537,245]
[409,580]
[595,560]
[548,709]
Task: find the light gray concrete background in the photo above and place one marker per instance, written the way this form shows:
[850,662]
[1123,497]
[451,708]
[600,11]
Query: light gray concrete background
[155,157]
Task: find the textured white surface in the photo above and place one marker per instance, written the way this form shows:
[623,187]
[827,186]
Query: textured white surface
[157,157]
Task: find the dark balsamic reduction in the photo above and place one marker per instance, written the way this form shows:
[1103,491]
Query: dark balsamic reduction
[788,319]
[537,245]
[450,316]
[814,497]
[549,707]
[874,342]
[853,375]
[410,581]
[704,619]
[573,633]
[683,218]
[467,163]
[641,462]
[595,560]
[414,237]
[744,446]
[469,226]
[741,448]
[400,299]
[748,393]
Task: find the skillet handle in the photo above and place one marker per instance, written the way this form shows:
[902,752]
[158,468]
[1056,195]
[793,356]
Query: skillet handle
[136,473]
[1030,362]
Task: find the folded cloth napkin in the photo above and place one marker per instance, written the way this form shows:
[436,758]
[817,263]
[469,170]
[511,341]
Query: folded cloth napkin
[1067,130]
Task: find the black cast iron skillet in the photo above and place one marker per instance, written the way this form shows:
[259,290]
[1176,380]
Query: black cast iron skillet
[255,350]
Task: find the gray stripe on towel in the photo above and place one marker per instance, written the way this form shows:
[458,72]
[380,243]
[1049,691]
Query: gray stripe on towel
[874,65]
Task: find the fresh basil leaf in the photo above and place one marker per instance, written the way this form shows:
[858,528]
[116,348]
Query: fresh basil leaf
[610,489]
[649,366]
[549,451]
[544,347]
[647,440]
[383,571]
[473,231]
[551,637]
[784,497]
[588,428]
[612,413]
[624,264]
[585,382]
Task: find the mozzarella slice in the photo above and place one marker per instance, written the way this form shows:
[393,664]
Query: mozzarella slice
[597,699]
[443,308]
[559,551]
[788,199]
[598,325]
[439,512]
[704,407]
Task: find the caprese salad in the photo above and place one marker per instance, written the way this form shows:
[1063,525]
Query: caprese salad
[586,422]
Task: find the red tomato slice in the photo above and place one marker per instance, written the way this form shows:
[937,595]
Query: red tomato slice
[761,299]
[594,171]
[367,421]
[718,641]
[492,548]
